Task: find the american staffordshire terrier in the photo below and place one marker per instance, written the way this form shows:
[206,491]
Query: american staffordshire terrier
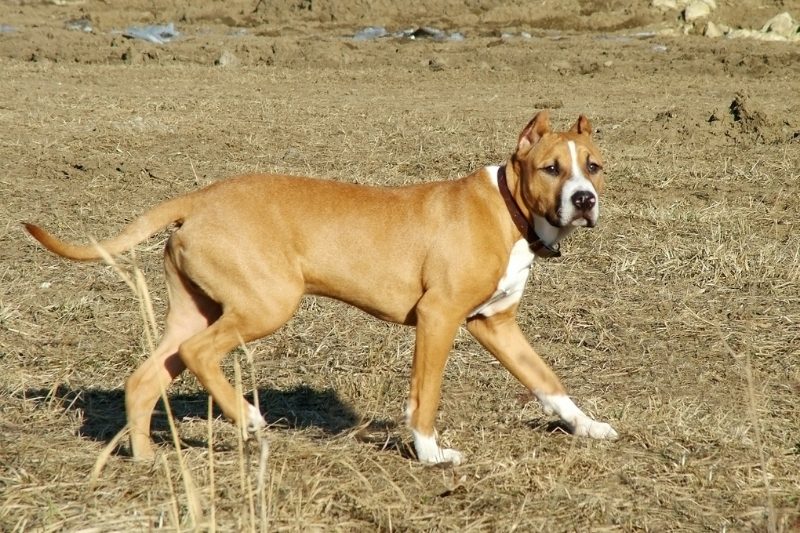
[434,256]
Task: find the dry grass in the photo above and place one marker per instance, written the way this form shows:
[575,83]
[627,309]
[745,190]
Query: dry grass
[678,319]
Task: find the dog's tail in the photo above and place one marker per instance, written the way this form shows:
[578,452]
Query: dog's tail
[157,218]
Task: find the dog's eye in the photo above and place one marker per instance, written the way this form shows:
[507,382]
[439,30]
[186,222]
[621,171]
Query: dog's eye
[552,169]
[594,168]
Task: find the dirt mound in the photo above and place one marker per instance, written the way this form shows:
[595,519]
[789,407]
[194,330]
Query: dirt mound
[741,122]
[744,122]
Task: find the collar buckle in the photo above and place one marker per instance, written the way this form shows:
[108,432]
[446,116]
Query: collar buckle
[540,249]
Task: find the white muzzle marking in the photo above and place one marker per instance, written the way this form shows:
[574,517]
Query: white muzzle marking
[577,182]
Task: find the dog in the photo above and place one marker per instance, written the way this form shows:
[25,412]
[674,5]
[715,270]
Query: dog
[434,256]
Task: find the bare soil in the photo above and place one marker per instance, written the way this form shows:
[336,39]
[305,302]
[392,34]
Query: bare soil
[677,319]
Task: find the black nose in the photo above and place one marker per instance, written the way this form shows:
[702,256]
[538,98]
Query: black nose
[584,200]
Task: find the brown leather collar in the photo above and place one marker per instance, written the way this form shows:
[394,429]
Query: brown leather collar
[535,243]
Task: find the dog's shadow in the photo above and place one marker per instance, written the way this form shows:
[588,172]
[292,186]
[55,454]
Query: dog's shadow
[102,415]
[301,407]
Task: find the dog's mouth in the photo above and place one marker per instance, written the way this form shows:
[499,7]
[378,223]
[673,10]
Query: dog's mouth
[579,220]
[583,222]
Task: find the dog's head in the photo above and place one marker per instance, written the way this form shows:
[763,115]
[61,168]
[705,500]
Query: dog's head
[561,173]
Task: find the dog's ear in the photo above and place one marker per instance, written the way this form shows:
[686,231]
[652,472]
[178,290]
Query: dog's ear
[535,130]
[582,126]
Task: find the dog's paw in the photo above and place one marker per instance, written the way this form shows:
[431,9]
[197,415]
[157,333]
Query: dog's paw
[444,456]
[255,420]
[143,452]
[579,423]
[586,427]
[141,447]
[429,452]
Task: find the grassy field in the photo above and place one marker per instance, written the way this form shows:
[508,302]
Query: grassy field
[677,319]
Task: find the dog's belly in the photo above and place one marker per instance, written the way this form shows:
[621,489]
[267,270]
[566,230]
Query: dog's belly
[512,284]
[398,311]
[391,298]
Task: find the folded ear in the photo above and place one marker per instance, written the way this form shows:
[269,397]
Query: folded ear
[582,126]
[535,130]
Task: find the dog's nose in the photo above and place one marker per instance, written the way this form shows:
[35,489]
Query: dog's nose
[584,200]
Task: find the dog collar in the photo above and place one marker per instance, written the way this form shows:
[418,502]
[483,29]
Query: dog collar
[535,243]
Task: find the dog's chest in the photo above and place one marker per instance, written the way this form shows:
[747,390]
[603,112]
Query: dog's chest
[512,284]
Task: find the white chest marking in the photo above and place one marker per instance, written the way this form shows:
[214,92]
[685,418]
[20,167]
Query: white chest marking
[512,284]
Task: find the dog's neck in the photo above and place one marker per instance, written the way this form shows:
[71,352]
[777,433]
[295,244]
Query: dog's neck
[542,237]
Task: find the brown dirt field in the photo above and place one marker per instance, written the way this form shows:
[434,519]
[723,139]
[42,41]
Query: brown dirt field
[677,319]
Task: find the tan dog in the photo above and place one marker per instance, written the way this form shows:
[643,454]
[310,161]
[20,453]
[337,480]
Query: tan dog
[433,256]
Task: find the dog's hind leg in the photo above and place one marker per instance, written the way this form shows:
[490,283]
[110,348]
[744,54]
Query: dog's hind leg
[243,320]
[190,311]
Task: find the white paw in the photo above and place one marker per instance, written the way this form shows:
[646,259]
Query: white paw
[429,452]
[453,456]
[586,427]
[444,456]
[580,424]
[255,421]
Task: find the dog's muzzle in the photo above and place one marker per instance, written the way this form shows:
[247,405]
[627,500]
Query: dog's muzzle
[581,210]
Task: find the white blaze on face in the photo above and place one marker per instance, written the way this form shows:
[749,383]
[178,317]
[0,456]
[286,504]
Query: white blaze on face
[577,182]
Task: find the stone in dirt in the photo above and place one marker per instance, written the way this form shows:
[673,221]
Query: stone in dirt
[154,33]
[713,30]
[665,4]
[436,64]
[227,59]
[782,24]
[696,10]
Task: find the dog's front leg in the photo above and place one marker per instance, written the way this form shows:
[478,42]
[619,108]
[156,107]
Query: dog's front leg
[435,334]
[501,335]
